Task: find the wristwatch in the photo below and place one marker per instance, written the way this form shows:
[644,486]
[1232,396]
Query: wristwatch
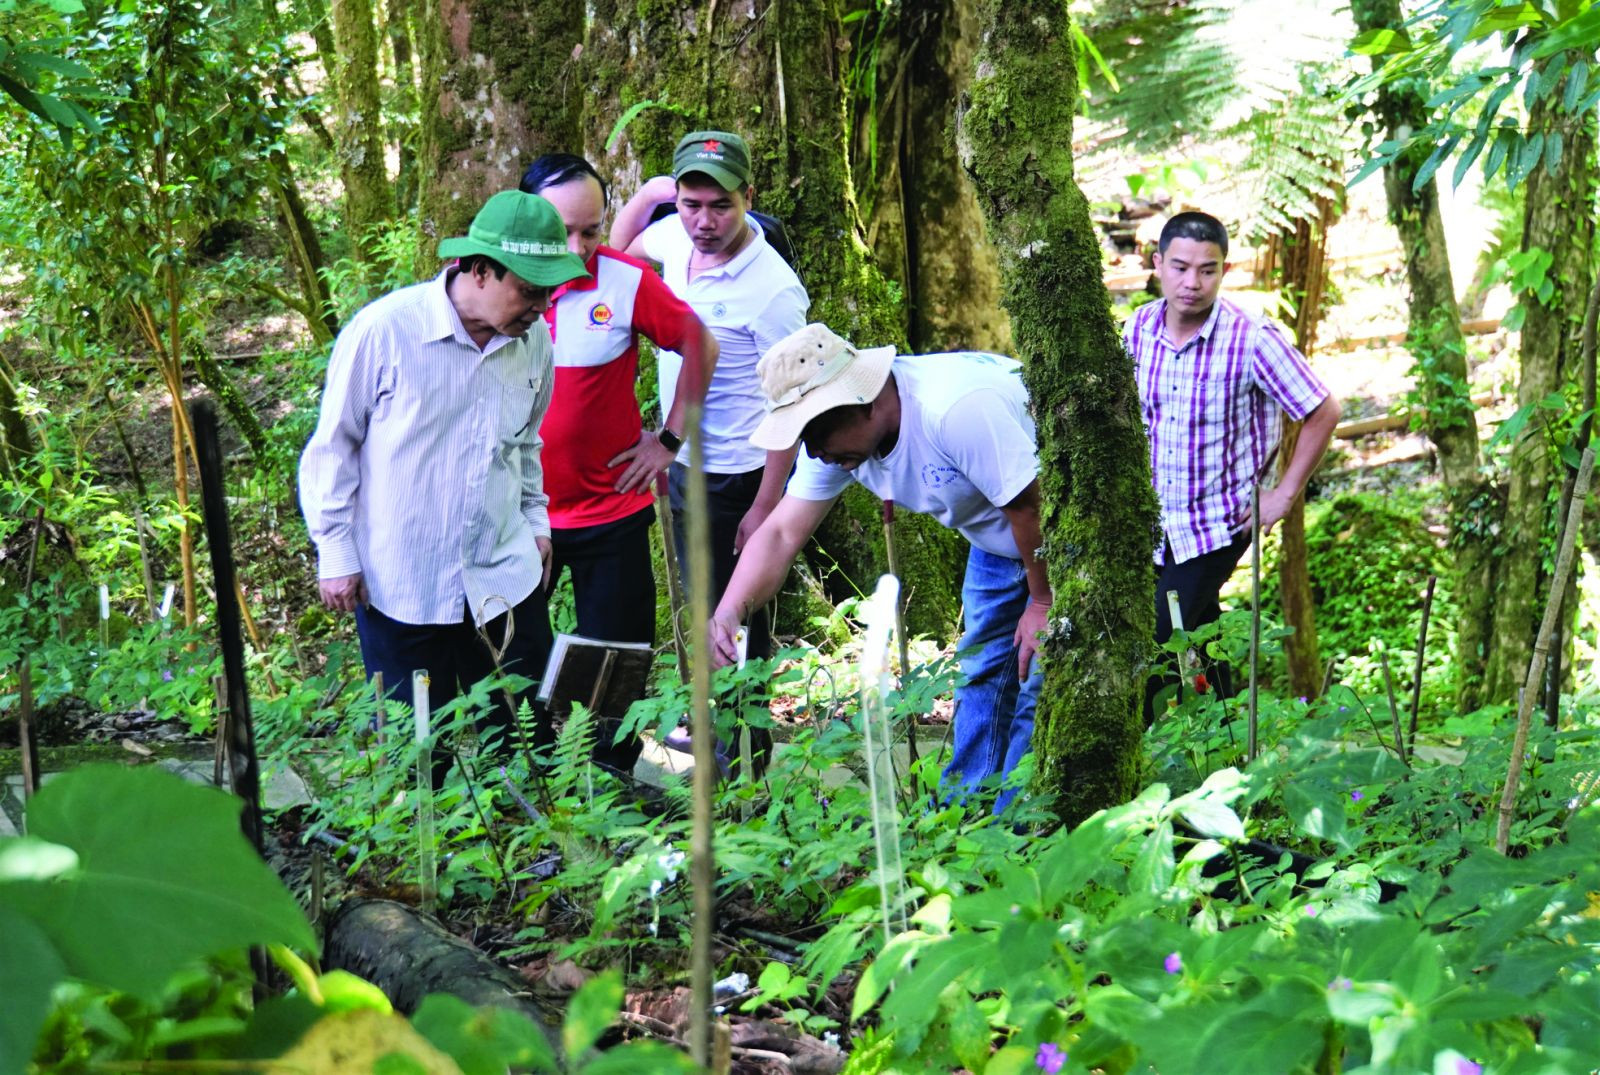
[669,440]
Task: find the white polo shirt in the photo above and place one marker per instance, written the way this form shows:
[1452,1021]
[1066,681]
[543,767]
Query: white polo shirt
[966,448]
[749,304]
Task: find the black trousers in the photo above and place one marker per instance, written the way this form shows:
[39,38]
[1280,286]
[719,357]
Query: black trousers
[729,497]
[614,595]
[1198,583]
[455,658]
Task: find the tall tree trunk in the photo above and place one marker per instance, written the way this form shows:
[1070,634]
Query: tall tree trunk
[1439,353]
[1303,264]
[925,224]
[402,133]
[772,71]
[1099,506]
[368,199]
[499,88]
[305,249]
[1559,218]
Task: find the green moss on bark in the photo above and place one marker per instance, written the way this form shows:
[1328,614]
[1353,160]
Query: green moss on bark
[1099,508]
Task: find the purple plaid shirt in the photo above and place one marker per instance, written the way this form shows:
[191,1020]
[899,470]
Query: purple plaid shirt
[1210,410]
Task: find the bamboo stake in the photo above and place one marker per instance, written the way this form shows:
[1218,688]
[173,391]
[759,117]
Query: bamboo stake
[1541,651]
[27,747]
[1255,621]
[703,871]
[669,556]
[1422,648]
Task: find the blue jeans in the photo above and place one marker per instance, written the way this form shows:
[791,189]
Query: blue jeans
[994,711]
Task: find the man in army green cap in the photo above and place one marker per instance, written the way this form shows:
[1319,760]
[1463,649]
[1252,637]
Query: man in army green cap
[422,487]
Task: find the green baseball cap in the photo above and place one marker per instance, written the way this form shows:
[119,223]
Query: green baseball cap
[524,233]
[721,155]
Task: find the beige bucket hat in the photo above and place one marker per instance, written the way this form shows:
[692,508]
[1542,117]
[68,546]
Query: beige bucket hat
[811,371]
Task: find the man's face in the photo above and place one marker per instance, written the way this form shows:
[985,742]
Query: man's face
[1191,275]
[509,305]
[582,210]
[849,445]
[713,217]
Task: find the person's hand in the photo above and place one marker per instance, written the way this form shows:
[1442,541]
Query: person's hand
[345,593]
[644,460]
[1275,504]
[750,524]
[660,188]
[546,553]
[1034,620]
[722,637]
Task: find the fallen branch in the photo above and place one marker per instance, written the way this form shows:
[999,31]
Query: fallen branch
[1396,420]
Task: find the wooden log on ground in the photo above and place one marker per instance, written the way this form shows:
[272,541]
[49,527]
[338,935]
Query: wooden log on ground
[1398,420]
[408,956]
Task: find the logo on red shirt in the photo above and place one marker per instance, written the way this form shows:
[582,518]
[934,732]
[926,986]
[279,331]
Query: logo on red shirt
[600,314]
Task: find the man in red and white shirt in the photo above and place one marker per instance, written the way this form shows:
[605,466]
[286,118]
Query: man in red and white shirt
[599,461]
[1212,379]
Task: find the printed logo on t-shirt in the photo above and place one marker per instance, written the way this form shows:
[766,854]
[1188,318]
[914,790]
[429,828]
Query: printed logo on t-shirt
[599,315]
[934,476]
[719,310]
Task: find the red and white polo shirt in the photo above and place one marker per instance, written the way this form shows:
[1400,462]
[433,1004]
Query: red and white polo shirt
[594,414]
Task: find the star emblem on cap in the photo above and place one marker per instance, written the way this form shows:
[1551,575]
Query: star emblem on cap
[712,145]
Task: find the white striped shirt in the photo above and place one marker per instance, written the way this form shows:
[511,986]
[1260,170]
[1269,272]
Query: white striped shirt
[423,473]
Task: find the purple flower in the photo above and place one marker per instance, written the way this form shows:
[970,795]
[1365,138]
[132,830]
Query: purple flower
[1311,910]
[1050,1058]
[166,675]
[1173,963]
[1340,985]
[1356,796]
[1467,1067]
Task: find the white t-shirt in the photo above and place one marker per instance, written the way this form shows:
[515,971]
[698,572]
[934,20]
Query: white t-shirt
[749,304]
[966,447]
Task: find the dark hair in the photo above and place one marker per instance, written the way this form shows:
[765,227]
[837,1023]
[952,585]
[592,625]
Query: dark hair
[832,420]
[1201,227]
[471,263]
[554,169]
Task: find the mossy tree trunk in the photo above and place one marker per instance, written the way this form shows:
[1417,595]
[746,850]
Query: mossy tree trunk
[924,222]
[499,88]
[1559,219]
[1439,353]
[1099,508]
[773,72]
[368,200]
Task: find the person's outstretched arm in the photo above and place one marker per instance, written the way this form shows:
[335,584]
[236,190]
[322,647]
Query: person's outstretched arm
[762,567]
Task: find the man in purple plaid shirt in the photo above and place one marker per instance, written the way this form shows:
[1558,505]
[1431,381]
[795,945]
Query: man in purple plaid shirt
[1211,381]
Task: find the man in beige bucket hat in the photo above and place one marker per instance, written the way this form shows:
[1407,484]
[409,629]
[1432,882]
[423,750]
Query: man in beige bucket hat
[422,485]
[949,435]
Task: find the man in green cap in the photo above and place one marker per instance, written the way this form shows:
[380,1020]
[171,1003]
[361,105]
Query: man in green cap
[715,257]
[422,486]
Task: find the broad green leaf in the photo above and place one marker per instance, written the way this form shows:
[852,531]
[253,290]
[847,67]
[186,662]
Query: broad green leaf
[970,1035]
[1385,41]
[1581,33]
[1316,810]
[1115,1009]
[1577,82]
[1153,866]
[593,1008]
[483,1041]
[344,992]
[1212,818]
[1552,152]
[29,971]
[164,877]
[937,965]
